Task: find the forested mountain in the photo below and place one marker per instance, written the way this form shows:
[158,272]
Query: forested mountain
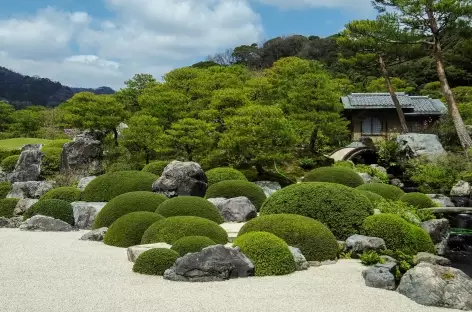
[22,91]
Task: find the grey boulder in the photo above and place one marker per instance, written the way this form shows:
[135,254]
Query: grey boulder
[366,177]
[379,277]
[45,224]
[28,167]
[85,213]
[10,223]
[461,188]
[83,155]
[237,209]
[23,205]
[30,189]
[438,230]
[96,235]
[441,200]
[269,187]
[300,260]
[84,182]
[420,144]
[359,244]
[424,257]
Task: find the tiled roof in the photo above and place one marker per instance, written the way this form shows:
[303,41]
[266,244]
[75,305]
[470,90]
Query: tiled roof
[413,105]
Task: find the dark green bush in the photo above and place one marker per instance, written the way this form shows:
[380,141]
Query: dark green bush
[189,244]
[68,194]
[51,161]
[385,190]
[126,203]
[155,261]
[269,253]
[345,164]
[236,188]
[398,233]
[190,206]
[4,153]
[7,206]
[127,230]
[9,163]
[216,175]
[156,167]
[373,197]
[106,187]
[340,175]
[55,208]
[314,239]
[57,143]
[171,229]
[5,188]
[417,200]
[341,208]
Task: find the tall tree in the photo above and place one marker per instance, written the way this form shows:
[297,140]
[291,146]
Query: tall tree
[134,87]
[431,21]
[144,134]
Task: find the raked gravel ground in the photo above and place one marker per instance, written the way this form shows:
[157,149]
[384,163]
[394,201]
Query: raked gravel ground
[49,272]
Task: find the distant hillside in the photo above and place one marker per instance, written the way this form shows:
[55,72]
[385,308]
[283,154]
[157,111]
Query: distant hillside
[22,91]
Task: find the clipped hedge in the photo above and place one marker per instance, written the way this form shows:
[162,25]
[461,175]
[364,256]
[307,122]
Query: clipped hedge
[385,190]
[373,197]
[9,163]
[340,175]
[191,244]
[190,206]
[156,167]
[127,203]
[314,239]
[51,161]
[216,175]
[127,230]
[106,187]
[341,208]
[269,253]
[7,206]
[155,261]
[417,200]
[236,188]
[5,188]
[68,194]
[171,229]
[55,208]
[398,233]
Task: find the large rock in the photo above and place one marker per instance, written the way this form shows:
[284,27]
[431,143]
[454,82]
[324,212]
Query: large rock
[431,259]
[83,155]
[10,223]
[420,144]
[134,251]
[30,189]
[461,188]
[182,179]
[45,224]
[23,205]
[300,260]
[438,229]
[96,235]
[359,244]
[269,187]
[237,209]
[214,263]
[438,286]
[379,277]
[85,213]
[28,167]
[366,177]
[441,200]
[84,182]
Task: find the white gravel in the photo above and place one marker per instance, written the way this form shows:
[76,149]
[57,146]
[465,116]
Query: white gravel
[49,272]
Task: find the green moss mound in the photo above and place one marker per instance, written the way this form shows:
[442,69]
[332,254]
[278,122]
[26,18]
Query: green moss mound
[5,188]
[127,230]
[385,190]
[373,197]
[68,194]
[269,253]
[314,239]
[51,161]
[340,175]
[106,187]
[156,167]
[216,175]
[398,233]
[55,208]
[236,188]
[341,208]
[9,163]
[7,206]
[418,200]
[190,206]
[155,261]
[57,143]
[126,203]
[191,244]
[171,229]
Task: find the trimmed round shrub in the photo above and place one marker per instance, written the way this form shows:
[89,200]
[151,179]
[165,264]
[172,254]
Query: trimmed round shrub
[156,167]
[236,188]
[57,143]
[216,175]
[190,206]
[314,239]
[340,175]
[341,208]
[398,233]
[191,244]
[127,230]
[5,188]
[68,194]
[106,187]
[171,229]
[387,191]
[126,203]
[345,163]
[51,161]
[55,208]
[9,163]
[155,261]
[269,253]
[373,197]
[418,200]
[7,206]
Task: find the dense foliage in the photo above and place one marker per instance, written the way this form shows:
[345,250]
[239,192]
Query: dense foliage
[68,194]
[56,208]
[236,188]
[5,188]
[418,200]
[156,167]
[385,190]
[216,175]
[8,164]
[155,261]
[405,210]
[374,197]
[7,206]
[339,175]
[190,244]
[190,206]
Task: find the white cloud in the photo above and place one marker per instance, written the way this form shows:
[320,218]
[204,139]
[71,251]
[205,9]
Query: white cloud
[296,4]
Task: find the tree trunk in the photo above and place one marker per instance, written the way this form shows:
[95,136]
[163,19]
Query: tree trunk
[147,154]
[395,100]
[115,134]
[313,138]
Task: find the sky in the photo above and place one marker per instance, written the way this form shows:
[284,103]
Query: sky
[92,43]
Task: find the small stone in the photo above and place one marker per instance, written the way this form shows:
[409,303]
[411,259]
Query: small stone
[23,205]
[379,277]
[45,224]
[431,259]
[300,260]
[10,223]
[134,251]
[96,235]
[397,183]
[461,188]
[366,177]
[85,213]
[84,182]
[237,209]
[359,244]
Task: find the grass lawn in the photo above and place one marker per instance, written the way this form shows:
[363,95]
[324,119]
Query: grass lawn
[17,143]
